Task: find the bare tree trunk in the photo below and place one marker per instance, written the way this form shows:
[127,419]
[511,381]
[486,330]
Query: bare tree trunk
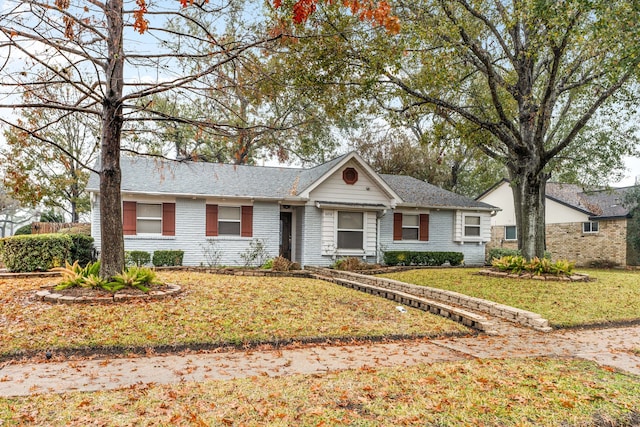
[112,250]
[529,200]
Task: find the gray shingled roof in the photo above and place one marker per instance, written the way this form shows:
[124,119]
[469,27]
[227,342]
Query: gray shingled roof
[147,175]
[156,176]
[598,204]
[606,203]
[609,203]
[421,193]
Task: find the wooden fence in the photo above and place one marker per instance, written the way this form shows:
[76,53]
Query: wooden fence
[54,227]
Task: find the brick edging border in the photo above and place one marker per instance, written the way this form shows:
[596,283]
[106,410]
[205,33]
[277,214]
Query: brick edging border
[577,277]
[523,317]
[54,297]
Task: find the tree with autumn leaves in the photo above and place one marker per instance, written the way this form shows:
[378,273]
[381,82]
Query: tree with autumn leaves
[106,55]
[530,80]
[524,76]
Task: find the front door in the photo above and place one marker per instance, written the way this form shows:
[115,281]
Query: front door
[285,235]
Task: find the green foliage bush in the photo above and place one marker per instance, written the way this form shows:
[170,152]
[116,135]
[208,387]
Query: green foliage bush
[497,253]
[81,249]
[35,252]
[74,275]
[422,258]
[167,257]
[137,258]
[517,264]
[135,277]
[25,229]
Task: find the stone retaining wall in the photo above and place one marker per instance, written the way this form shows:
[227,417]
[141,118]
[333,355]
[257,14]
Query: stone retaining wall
[456,314]
[502,311]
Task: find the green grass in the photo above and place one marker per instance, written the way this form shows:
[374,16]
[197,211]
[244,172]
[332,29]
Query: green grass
[525,392]
[212,310]
[613,297]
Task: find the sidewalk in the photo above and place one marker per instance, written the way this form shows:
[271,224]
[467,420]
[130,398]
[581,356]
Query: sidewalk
[611,347]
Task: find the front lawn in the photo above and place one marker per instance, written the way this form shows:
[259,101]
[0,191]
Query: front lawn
[525,392]
[212,310]
[613,297]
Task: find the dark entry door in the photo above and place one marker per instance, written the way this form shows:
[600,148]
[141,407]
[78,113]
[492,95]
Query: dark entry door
[285,235]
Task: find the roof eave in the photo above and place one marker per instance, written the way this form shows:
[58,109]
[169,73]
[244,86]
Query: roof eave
[287,199]
[609,217]
[448,207]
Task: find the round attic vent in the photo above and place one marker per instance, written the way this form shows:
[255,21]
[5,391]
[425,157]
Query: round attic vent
[350,176]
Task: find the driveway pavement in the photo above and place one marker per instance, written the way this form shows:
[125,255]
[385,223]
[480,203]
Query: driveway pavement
[611,347]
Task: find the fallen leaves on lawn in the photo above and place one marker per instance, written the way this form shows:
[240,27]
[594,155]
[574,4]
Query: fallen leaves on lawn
[213,310]
[454,393]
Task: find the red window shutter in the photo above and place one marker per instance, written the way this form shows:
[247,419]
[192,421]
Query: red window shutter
[129,218]
[211,220]
[246,222]
[168,219]
[397,226]
[424,227]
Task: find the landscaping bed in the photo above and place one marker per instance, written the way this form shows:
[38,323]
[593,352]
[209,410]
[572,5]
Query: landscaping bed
[612,297]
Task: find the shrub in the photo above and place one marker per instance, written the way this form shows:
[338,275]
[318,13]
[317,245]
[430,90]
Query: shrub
[135,277]
[510,263]
[422,258]
[281,264]
[212,253]
[167,257]
[75,275]
[137,258]
[82,249]
[256,254]
[517,264]
[35,252]
[25,229]
[497,253]
[350,264]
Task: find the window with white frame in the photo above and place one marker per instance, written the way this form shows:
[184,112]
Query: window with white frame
[471,226]
[590,227]
[510,232]
[149,218]
[229,220]
[410,227]
[350,230]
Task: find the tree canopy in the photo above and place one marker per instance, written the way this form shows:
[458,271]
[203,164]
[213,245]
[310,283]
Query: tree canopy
[529,80]
[111,56]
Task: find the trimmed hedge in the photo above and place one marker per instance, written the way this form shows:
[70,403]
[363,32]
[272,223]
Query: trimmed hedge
[137,258]
[167,257]
[25,229]
[422,258]
[82,249]
[35,252]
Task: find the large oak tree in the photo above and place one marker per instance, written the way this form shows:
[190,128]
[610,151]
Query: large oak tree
[528,75]
[111,54]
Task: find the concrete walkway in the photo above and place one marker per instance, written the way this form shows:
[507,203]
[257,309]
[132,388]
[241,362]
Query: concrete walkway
[611,347]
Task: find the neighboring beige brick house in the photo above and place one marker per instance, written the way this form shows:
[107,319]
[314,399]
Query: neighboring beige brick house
[588,227]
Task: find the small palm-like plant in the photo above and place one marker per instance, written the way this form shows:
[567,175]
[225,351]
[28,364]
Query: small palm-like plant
[76,275]
[136,277]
